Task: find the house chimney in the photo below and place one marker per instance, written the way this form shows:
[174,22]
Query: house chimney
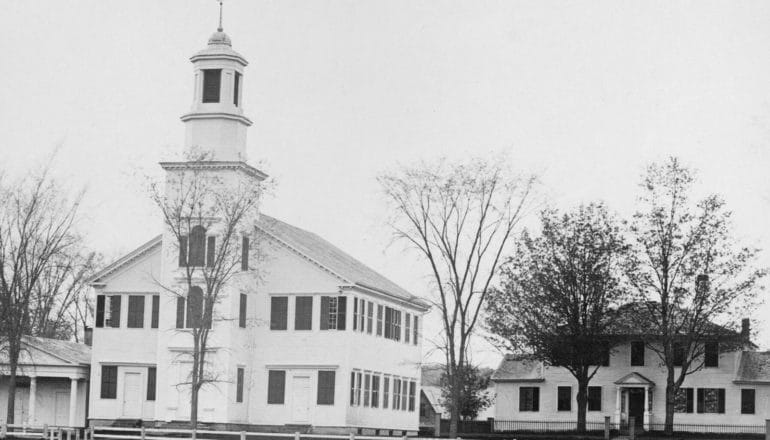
[745,328]
[88,336]
[702,283]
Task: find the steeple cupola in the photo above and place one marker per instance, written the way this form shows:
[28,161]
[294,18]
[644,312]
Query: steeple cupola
[216,124]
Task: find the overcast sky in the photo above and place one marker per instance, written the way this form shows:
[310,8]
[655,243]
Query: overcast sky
[585,93]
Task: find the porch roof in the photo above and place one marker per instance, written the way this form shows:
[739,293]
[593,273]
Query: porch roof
[634,379]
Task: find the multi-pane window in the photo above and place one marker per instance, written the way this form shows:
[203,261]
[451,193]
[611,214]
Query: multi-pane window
[711,354]
[279,309]
[197,250]
[404,394]
[748,397]
[108,311]
[683,400]
[333,312]
[529,399]
[369,318]
[397,325]
[392,324]
[412,394]
[637,353]
[564,399]
[407,327]
[604,355]
[239,385]
[379,320]
[358,387]
[155,311]
[385,391]
[361,315]
[242,308]
[375,390]
[303,313]
[212,81]
[367,388]
[711,400]
[326,381]
[396,393]
[151,383]
[135,311]
[594,398]
[109,385]
[276,387]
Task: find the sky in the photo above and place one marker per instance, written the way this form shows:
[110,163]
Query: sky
[584,93]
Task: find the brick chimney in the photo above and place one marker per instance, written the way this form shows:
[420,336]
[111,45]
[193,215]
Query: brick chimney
[746,328]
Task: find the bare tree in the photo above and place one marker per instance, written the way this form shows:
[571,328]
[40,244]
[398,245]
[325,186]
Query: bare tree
[36,234]
[692,278]
[459,217]
[560,294]
[210,218]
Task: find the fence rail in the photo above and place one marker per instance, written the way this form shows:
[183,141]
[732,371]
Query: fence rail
[545,426]
[46,432]
[120,433]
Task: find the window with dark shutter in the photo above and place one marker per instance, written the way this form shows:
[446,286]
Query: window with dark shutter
[303,313]
[375,390]
[683,400]
[564,399]
[325,388]
[388,326]
[367,388]
[114,319]
[279,306]
[415,331]
[711,354]
[341,312]
[196,255]
[194,307]
[358,387]
[151,380]
[352,388]
[242,307]
[276,386]
[109,384]
[245,253]
[155,317]
[236,88]
[379,320]
[135,311]
[369,318]
[637,353]
[412,392]
[748,397]
[396,393]
[211,248]
[711,400]
[529,399]
[99,311]
[180,307]
[404,394]
[212,81]
[239,385]
[355,313]
[183,251]
[594,398]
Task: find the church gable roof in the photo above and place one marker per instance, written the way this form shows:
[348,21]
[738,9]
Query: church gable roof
[124,261]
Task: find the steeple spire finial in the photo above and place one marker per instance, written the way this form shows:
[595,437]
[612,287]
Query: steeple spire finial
[219,29]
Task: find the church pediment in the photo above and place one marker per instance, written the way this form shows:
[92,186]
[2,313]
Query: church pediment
[634,379]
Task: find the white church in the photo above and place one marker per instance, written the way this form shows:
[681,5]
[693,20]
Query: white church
[318,341]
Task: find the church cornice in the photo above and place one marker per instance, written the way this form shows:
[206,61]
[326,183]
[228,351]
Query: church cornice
[216,115]
[215,165]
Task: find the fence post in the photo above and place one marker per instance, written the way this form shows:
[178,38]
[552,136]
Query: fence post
[352,436]
[3,430]
[296,436]
[45,431]
[632,428]
[141,432]
[91,429]
[606,427]
[491,421]
[767,429]
[243,435]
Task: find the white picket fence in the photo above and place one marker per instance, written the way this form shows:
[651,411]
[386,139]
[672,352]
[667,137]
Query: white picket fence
[40,432]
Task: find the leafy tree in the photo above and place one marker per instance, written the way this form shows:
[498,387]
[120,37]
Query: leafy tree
[474,395]
[560,292]
[459,218]
[691,277]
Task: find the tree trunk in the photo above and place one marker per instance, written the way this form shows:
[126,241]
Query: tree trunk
[582,404]
[454,416]
[13,363]
[194,386]
[670,399]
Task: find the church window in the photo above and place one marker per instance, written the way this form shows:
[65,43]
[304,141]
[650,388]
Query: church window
[196,254]
[211,247]
[236,88]
[303,313]
[212,80]
[194,307]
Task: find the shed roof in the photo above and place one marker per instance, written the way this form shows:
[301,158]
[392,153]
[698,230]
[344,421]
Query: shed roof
[47,351]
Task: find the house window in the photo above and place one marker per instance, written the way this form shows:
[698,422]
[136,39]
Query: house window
[679,354]
[604,355]
[711,400]
[385,391]
[236,88]
[396,393]
[392,324]
[412,392]
[155,311]
[242,307]
[108,311]
[369,318]
[564,399]
[194,307]
[637,353]
[109,386]
[325,388]
[407,327]
[212,80]
[239,385]
[276,386]
[375,390]
[397,325]
[303,313]
[358,387]
[404,394]
[594,398]
[683,401]
[279,308]
[135,311]
[99,311]
[151,383]
[379,320]
[711,354]
[352,388]
[245,253]
[414,330]
[529,399]
[748,396]
[333,312]
[362,315]
[367,388]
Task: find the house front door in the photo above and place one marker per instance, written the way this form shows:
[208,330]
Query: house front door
[636,405]
[300,400]
[132,395]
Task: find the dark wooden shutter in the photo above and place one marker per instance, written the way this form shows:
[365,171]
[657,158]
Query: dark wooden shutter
[211,248]
[212,81]
[637,354]
[154,320]
[279,306]
[690,399]
[324,316]
[245,253]
[523,392]
[180,307]
[239,386]
[701,400]
[536,399]
[109,383]
[748,397]
[236,88]
[115,311]
[183,251]
[721,401]
[342,306]
[415,330]
[352,388]
[369,317]
[276,384]
[407,327]
[564,399]
[325,388]
[355,313]
[151,380]
[379,320]
[99,311]
[388,325]
[242,311]
[303,313]
[135,311]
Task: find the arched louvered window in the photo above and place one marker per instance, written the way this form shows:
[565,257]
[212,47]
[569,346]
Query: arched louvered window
[197,254]
[194,307]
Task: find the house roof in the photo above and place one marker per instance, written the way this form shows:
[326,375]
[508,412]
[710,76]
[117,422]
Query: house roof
[754,367]
[47,351]
[518,368]
[334,260]
[433,394]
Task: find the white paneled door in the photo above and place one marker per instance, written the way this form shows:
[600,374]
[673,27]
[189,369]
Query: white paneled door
[300,400]
[132,395]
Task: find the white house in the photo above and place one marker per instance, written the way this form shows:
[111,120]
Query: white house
[318,341]
[733,388]
[51,383]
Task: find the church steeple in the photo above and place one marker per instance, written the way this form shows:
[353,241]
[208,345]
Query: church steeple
[216,124]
